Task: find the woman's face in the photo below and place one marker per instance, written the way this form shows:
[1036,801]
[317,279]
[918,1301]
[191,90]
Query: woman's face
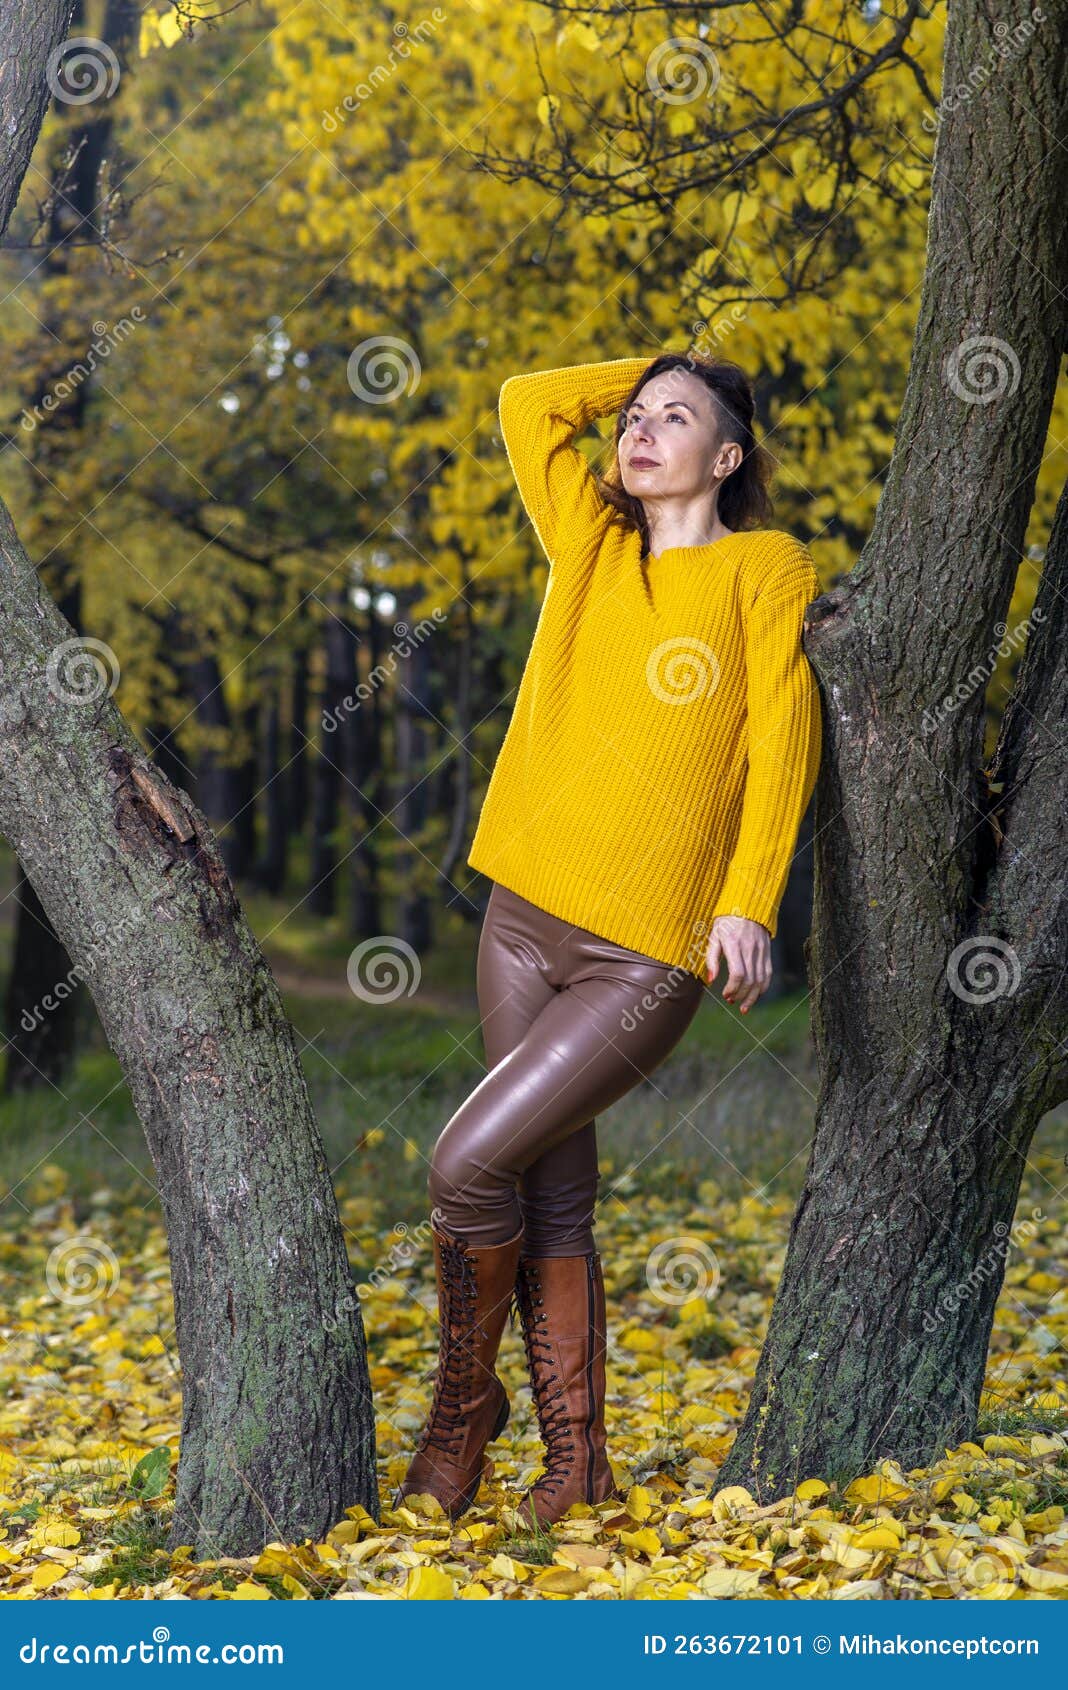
[670,446]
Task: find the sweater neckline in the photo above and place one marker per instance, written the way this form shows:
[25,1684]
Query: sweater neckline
[699,551]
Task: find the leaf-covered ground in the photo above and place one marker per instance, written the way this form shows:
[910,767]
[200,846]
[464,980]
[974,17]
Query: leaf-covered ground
[90,1401]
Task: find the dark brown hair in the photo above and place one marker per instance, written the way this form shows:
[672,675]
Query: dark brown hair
[744,500]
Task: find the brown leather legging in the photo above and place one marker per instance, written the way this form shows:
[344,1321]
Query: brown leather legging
[570,1022]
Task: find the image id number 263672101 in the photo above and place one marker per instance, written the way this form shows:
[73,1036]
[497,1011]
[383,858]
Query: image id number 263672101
[723,1643]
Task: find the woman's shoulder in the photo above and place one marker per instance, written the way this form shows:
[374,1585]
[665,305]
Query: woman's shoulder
[775,554]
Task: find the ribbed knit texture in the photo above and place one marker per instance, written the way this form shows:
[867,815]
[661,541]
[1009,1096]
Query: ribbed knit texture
[666,734]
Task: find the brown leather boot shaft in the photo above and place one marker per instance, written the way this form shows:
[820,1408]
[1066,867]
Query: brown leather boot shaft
[470,1404]
[561,1305]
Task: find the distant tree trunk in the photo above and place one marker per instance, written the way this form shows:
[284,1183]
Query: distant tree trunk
[165,755]
[278,1434]
[220,789]
[339,683]
[459,768]
[368,793]
[247,788]
[411,714]
[274,783]
[297,760]
[41,1003]
[941,919]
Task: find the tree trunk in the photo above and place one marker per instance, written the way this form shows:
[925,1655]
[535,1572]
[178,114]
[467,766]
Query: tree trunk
[335,728]
[218,788]
[411,715]
[278,1432]
[274,784]
[459,772]
[45,996]
[941,926]
[365,790]
[297,762]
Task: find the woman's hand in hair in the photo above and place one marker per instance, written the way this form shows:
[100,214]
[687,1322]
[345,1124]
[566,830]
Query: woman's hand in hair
[745,947]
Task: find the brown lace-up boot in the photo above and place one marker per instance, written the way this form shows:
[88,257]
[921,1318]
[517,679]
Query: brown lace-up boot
[470,1405]
[561,1306]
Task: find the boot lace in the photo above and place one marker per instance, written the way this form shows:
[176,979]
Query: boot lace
[452,1383]
[557,1433]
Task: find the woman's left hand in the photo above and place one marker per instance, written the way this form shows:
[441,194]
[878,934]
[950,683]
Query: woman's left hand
[745,946]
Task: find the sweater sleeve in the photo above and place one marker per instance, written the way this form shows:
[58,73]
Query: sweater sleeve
[785,742]
[540,414]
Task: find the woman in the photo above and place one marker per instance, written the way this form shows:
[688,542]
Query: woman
[638,829]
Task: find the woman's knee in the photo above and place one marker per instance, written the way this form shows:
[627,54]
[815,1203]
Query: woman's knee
[446,1177]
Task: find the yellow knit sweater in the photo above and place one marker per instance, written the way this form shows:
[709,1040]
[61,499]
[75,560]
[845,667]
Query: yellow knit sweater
[666,734]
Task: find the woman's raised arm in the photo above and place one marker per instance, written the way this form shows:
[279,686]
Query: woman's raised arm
[541,413]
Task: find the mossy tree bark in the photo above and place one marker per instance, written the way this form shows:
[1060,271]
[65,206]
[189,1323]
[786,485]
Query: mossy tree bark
[940,926]
[277,1421]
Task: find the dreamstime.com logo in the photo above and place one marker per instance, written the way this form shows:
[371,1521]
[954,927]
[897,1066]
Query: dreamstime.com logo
[157,1651]
[407,641]
[404,36]
[679,1269]
[81,70]
[682,669]
[106,337]
[1009,41]
[681,70]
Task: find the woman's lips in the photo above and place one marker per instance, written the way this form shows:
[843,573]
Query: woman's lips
[644,463]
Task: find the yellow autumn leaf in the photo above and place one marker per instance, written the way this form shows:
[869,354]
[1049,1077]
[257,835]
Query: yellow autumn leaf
[56,1533]
[583,35]
[478,1531]
[169,28]
[276,1562]
[965,1504]
[547,108]
[643,1542]
[347,1531]
[1044,1578]
[429,1584]
[809,1489]
[1046,1521]
[640,1340]
[562,1581]
[246,1591]
[876,1537]
[639,1502]
[1040,1444]
[47,1573]
[874,1488]
[741,208]
[819,190]
[504,1567]
[995,1445]
[729,1581]
[726,1504]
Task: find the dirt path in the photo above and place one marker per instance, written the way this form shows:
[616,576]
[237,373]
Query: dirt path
[305,984]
